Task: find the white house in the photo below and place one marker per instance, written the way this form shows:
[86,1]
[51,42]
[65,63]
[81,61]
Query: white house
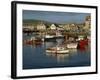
[53,27]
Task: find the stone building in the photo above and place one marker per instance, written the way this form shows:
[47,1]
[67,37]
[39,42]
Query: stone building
[87,23]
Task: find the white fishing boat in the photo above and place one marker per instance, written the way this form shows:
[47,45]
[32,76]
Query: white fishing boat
[49,36]
[72,45]
[80,38]
[57,50]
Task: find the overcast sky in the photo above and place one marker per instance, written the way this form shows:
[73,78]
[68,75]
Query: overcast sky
[56,17]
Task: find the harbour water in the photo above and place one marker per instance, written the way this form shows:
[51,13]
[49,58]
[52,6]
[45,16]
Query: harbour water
[36,57]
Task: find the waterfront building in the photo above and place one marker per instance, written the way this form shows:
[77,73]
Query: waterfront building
[73,27]
[80,27]
[28,26]
[70,27]
[53,27]
[41,26]
[87,23]
[66,27]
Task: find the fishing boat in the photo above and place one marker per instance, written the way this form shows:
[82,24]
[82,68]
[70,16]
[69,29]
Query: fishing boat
[57,50]
[72,45]
[83,43]
[33,40]
[49,38]
[80,38]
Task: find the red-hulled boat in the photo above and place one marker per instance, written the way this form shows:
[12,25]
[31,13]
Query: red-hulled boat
[83,43]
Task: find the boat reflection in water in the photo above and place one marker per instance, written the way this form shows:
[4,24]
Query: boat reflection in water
[58,57]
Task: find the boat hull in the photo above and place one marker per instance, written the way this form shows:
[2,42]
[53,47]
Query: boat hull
[31,42]
[72,45]
[60,51]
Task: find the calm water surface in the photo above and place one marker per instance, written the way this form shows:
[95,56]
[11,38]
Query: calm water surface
[35,57]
